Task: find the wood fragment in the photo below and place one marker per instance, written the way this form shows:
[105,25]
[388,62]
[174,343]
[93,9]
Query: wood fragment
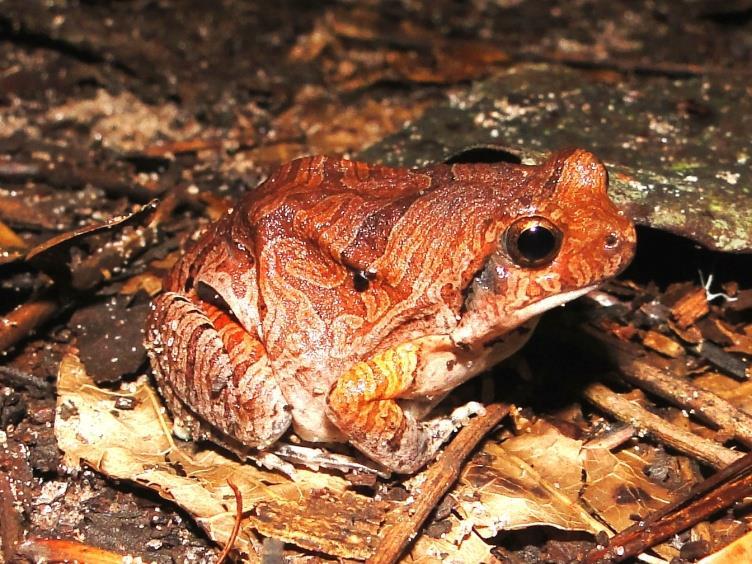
[740,342]
[690,307]
[11,531]
[742,302]
[20,322]
[707,406]
[396,536]
[612,439]
[723,360]
[58,550]
[688,443]
[720,490]
[662,344]
[646,373]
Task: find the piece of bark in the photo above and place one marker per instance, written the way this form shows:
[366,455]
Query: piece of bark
[690,307]
[723,360]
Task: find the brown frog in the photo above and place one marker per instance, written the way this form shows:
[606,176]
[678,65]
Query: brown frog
[347,299]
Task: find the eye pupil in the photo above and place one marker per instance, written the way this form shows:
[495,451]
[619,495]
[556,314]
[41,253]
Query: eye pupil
[536,243]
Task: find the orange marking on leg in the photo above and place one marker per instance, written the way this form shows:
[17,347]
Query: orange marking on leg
[363,399]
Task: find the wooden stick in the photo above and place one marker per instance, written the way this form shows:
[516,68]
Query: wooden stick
[682,392]
[396,536]
[24,319]
[60,550]
[637,368]
[11,530]
[633,414]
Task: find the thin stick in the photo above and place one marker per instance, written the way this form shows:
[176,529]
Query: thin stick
[24,319]
[236,527]
[438,479]
[688,443]
[705,405]
[11,531]
[637,369]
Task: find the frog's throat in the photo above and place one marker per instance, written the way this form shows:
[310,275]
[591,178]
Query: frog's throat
[483,329]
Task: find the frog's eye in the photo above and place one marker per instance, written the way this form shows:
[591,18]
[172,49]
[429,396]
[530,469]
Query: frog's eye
[532,242]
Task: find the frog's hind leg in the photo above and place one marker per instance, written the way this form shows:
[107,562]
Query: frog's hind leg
[207,365]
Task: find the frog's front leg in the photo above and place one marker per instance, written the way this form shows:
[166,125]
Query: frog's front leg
[363,404]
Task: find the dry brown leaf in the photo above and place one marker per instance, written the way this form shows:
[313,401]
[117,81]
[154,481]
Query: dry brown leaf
[9,241]
[618,487]
[136,445]
[458,545]
[554,456]
[738,551]
[500,491]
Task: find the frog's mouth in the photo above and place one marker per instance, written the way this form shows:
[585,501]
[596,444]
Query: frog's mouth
[537,308]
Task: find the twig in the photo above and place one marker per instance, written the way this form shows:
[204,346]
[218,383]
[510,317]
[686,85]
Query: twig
[58,550]
[11,531]
[236,527]
[680,391]
[705,405]
[629,412]
[720,490]
[24,319]
[395,536]
[21,379]
[183,146]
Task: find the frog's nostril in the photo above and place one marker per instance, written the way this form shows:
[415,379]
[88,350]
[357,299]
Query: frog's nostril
[612,241]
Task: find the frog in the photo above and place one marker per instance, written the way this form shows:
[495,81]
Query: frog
[346,299]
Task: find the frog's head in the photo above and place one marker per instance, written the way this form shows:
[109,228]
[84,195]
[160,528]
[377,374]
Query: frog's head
[560,237]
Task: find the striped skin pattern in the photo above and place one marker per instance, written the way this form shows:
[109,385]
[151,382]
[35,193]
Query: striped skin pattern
[347,299]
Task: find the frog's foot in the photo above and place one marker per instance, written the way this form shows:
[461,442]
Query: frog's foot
[442,428]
